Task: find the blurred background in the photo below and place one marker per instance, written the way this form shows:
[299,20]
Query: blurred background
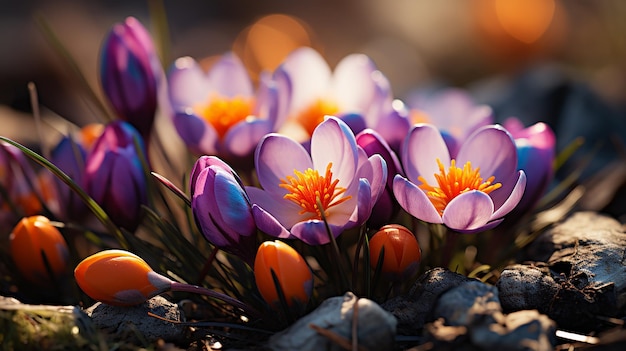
[562,62]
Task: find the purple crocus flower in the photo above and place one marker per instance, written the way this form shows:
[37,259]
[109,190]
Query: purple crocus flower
[386,207]
[536,151]
[469,193]
[453,111]
[221,207]
[218,112]
[69,156]
[19,185]
[114,174]
[336,182]
[310,90]
[131,74]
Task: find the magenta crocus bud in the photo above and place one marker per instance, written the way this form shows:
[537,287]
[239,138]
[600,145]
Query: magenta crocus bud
[221,208]
[535,155]
[114,174]
[130,74]
[386,207]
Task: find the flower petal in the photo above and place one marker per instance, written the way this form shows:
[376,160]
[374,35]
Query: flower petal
[199,136]
[421,149]
[413,200]
[309,76]
[468,211]
[276,157]
[268,224]
[242,138]
[187,84]
[353,85]
[286,212]
[513,199]
[492,149]
[229,77]
[313,232]
[333,142]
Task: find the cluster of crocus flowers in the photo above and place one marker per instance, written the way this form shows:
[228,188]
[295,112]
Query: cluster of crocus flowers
[279,269]
[39,250]
[131,74]
[399,250]
[313,196]
[469,193]
[219,112]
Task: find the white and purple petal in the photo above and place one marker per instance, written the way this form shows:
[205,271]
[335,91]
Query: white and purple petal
[413,200]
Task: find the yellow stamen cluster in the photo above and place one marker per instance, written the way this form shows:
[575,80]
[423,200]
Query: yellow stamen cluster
[306,188]
[455,182]
[222,113]
[314,114]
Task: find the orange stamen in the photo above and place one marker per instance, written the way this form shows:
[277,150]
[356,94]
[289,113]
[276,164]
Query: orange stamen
[306,188]
[455,182]
[314,114]
[222,113]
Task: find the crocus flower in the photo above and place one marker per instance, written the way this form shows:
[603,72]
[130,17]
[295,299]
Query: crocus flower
[469,193]
[19,184]
[119,278]
[453,111]
[218,112]
[114,174]
[32,239]
[535,155]
[130,74]
[336,184]
[291,271]
[312,90]
[221,207]
[402,252]
[386,207]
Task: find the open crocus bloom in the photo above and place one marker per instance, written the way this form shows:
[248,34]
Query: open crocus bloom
[453,111]
[218,112]
[313,90]
[337,181]
[469,193]
[536,151]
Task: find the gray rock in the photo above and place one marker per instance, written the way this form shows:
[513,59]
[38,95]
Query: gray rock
[585,268]
[459,305]
[127,322]
[414,309]
[526,287]
[376,328]
[470,318]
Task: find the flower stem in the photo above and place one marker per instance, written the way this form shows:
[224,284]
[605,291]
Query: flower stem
[181,287]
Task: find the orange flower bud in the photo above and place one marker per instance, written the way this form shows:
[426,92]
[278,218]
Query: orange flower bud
[402,251]
[120,278]
[294,275]
[33,237]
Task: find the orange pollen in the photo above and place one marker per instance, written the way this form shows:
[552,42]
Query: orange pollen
[308,187]
[223,113]
[314,114]
[455,182]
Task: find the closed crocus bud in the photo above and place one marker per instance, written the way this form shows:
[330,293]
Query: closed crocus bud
[221,207]
[402,251]
[119,278]
[39,250]
[17,180]
[291,270]
[130,74]
[536,150]
[114,174]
